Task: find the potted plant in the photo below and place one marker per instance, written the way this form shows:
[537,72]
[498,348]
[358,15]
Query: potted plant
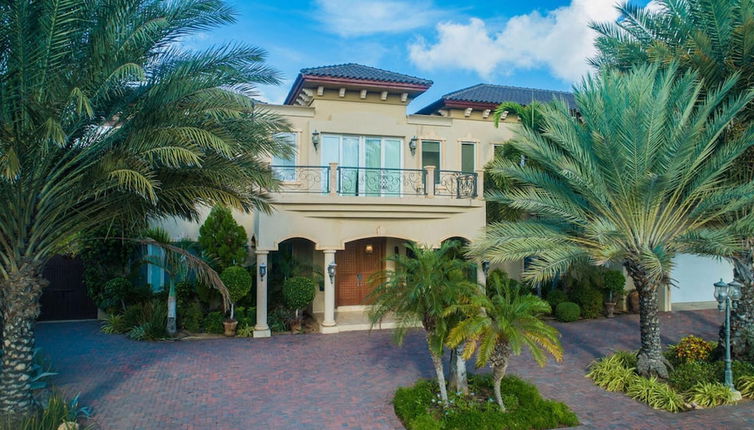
[614,284]
[238,282]
[298,293]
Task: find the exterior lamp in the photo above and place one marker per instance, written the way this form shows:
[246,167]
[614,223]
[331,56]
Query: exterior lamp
[412,145]
[369,248]
[315,138]
[262,271]
[485,267]
[727,296]
[331,271]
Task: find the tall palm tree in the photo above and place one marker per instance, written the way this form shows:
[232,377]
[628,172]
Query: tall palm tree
[715,38]
[418,290]
[637,179]
[501,323]
[103,115]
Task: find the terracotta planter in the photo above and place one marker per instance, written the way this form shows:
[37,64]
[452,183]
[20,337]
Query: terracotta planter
[610,309]
[230,328]
[633,301]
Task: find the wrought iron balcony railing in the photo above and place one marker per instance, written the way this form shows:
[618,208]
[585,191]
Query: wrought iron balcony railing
[453,183]
[375,181]
[303,179]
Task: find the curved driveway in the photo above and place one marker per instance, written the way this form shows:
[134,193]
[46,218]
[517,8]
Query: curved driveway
[342,381]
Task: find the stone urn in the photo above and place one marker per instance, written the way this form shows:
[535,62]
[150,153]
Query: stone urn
[610,309]
[230,327]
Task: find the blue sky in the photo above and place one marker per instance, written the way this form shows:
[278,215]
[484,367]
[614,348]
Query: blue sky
[541,44]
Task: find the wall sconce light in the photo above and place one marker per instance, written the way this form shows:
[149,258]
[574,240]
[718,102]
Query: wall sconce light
[262,271]
[331,271]
[369,248]
[315,138]
[412,145]
[485,267]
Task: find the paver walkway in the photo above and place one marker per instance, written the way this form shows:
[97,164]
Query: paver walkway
[333,381]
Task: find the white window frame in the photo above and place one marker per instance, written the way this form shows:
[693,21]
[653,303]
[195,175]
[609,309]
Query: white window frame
[362,152]
[275,161]
[474,145]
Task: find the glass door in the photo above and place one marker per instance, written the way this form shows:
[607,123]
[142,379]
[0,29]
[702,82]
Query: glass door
[362,161]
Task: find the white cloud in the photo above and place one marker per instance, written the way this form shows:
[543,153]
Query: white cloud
[559,41]
[349,18]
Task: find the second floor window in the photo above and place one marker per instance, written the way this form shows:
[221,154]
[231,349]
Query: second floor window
[468,164]
[283,168]
[431,156]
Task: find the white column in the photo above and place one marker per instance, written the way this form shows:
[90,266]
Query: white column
[262,329]
[481,277]
[430,181]
[328,323]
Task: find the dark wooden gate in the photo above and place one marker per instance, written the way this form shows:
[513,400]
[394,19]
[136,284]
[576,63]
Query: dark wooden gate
[65,298]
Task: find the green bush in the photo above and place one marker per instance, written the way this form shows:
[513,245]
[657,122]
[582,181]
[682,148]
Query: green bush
[740,368]
[213,323]
[710,394]
[627,358]
[146,321]
[556,297]
[590,300]
[238,282]
[222,239]
[53,412]
[298,292]
[615,283]
[745,384]
[191,317]
[115,294]
[686,375]
[693,348]
[567,312]
[114,324]
[418,409]
[656,394]
[611,373]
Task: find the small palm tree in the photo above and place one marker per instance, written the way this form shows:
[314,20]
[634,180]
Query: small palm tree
[501,323]
[419,290]
[637,179]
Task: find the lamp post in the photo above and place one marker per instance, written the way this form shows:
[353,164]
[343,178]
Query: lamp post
[727,296]
[331,272]
[262,271]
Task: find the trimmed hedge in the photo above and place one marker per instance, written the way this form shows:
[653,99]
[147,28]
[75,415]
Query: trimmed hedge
[591,301]
[556,297]
[298,292]
[567,312]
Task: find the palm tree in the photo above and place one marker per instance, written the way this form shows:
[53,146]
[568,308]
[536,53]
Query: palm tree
[499,324]
[418,290]
[715,38]
[634,181]
[103,115]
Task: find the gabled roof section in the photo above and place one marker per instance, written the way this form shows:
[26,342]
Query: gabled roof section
[488,96]
[351,74]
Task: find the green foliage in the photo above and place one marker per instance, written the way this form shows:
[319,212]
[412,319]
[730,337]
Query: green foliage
[213,323]
[279,319]
[686,375]
[298,292]
[191,317]
[614,285]
[146,321]
[556,297]
[567,312]
[745,384]
[238,282]
[418,407]
[627,358]
[710,394]
[590,299]
[656,394]
[115,293]
[611,373]
[54,411]
[740,368]
[246,331]
[114,324]
[222,239]
[693,348]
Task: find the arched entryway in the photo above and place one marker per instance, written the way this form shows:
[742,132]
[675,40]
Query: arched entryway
[356,264]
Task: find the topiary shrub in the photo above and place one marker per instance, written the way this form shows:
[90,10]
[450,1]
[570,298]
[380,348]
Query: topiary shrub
[114,294]
[567,312]
[213,323]
[590,300]
[615,284]
[298,292]
[238,282]
[556,297]
[222,239]
[693,348]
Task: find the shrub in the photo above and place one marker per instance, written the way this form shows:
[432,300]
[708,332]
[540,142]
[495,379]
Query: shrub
[590,299]
[740,368]
[556,297]
[628,358]
[115,293]
[247,331]
[54,411]
[213,323]
[222,239]
[114,324]
[611,373]
[693,348]
[615,283]
[298,292]
[567,312]
[710,394]
[146,321]
[654,393]
[238,282]
[686,375]
[191,317]
[745,384]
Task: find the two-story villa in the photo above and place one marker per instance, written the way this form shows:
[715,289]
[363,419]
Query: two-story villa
[367,177]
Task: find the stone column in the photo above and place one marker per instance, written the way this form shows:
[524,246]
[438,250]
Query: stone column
[481,277]
[480,184]
[430,181]
[328,322]
[262,329]
[333,179]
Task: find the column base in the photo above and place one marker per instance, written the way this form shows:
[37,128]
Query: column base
[329,329]
[265,332]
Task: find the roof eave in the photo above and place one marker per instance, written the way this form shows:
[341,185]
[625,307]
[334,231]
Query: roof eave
[302,79]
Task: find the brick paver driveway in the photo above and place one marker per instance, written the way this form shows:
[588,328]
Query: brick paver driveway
[332,381]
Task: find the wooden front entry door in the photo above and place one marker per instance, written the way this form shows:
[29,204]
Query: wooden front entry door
[355,265]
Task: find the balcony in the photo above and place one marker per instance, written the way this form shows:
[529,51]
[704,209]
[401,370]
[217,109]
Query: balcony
[334,180]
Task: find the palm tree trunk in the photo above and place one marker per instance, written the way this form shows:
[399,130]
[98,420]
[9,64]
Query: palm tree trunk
[742,317]
[458,375]
[439,371]
[499,362]
[19,303]
[650,359]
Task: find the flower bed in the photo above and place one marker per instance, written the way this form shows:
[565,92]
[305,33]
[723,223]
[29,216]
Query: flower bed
[419,407]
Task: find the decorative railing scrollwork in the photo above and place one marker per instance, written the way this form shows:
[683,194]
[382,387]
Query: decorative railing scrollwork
[375,181]
[453,183]
[303,179]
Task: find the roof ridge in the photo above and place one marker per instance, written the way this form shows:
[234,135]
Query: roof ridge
[518,88]
[463,89]
[331,66]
